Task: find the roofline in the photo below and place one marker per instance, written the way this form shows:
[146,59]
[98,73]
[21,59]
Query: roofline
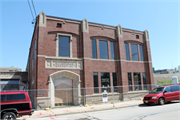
[92,22]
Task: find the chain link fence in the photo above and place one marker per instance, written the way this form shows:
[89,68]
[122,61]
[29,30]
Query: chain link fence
[68,97]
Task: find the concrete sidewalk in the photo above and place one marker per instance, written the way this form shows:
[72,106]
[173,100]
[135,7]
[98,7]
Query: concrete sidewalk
[81,109]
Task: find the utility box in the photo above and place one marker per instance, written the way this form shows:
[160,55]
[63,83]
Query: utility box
[104,96]
[175,80]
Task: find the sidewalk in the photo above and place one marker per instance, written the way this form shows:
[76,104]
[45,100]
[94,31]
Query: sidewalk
[81,109]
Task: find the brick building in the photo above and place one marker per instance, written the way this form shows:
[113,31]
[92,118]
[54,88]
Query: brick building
[67,53]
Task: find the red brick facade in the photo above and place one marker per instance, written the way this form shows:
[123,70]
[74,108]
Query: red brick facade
[45,37]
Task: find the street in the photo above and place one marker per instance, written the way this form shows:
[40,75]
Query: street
[169,111]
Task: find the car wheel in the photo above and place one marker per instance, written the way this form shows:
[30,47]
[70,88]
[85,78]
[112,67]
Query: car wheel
[9,116]
[161,101]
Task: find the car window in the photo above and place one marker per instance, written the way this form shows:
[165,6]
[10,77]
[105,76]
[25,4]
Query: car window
[175,88]
[167,89]
[157,90]
[13,97]
[3,97]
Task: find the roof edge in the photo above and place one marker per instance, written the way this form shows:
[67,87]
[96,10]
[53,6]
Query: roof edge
[93,23]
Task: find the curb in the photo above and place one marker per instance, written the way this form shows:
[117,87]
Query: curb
[95,110]
[86,111]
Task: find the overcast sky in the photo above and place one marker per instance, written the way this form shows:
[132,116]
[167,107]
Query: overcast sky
[160,17]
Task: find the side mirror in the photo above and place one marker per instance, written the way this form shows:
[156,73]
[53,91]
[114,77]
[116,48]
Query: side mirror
[165,91]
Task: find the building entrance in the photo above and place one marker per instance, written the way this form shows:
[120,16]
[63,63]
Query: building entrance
[63,91]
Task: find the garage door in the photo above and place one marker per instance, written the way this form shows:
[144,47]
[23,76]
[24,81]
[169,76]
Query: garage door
[9,84]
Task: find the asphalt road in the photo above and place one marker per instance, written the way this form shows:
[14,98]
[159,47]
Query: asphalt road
[169,111]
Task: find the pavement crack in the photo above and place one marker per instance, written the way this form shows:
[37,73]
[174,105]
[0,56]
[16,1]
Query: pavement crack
[88,117]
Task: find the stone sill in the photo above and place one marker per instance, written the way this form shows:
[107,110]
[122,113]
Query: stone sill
[95,95]
[43,98]
[62,58]
[132,92]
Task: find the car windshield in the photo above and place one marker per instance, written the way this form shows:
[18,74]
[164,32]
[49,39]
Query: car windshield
[157,90]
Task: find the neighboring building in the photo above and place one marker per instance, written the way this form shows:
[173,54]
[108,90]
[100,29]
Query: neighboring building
[165,77]
[67,53]
[166,71]
[13,81]
[10,69]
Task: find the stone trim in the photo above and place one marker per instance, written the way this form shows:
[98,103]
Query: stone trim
[42,19]
[127,31]
[90,24]
[137,61]
[84,25]
[109,28]
[77,59]
[139,33]
[133,32]
[146,35]
[63,63]
[41,55]
[72,22]
[95,25]
[51,57]
[54,19]
[57,43]
[119,32]
[42,98]
[64,21]
[76,85]
[140,91]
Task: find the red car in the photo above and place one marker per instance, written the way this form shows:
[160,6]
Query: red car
[15,104]
[163,94]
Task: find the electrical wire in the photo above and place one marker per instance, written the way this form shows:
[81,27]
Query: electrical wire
[30,9]
[33,7]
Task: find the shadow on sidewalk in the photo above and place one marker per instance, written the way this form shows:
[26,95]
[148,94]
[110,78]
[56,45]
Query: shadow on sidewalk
[152,105]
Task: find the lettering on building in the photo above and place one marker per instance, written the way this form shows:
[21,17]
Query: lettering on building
[63,64]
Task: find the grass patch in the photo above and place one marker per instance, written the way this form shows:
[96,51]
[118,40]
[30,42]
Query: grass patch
[166,82]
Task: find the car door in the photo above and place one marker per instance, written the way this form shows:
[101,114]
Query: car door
[175,92]
[167,94]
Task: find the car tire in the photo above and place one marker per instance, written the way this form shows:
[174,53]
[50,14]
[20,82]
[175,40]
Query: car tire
[9,116]
[161,101]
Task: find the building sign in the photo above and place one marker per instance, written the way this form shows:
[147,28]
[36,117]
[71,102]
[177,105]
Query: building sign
[105,79]
[64,64]
[40,92]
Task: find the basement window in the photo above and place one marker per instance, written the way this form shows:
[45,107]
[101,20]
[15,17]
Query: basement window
[137,36]
[59,25]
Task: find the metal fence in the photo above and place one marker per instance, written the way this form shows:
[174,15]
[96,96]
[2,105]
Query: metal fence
[67,97]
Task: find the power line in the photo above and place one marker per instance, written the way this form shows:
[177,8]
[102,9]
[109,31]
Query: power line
[33,7]
[30,9]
